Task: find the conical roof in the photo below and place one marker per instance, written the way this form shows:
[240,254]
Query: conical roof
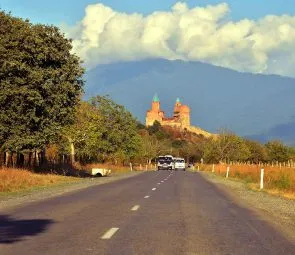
[156,98]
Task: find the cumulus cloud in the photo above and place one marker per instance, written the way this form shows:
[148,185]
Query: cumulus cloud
[204,34]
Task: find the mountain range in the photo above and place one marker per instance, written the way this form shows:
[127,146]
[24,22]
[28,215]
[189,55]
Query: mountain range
[257,106]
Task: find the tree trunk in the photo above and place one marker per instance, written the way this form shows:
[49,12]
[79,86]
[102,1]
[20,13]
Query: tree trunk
[7,156]
[72,152]
[37,158]
[11,159]
[20,159]
[43,159]
[29,163]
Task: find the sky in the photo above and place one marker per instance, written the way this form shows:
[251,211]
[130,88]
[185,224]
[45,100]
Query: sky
[71,11]
[255,36]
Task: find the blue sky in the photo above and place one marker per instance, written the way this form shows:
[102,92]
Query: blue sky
[236,34]
[71,11]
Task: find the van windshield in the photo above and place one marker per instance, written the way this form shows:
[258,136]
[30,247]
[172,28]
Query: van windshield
[164,159]
[179,160]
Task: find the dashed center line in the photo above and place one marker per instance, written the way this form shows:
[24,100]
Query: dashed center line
[146,196]
[109,233]
[153,189]
[159,183]
[135,208]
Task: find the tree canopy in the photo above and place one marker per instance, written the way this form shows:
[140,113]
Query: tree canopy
[103,130]
[40,83]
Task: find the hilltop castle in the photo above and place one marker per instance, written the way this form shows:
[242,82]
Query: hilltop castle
[180,119]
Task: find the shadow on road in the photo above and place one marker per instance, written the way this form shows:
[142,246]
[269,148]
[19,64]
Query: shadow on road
[13,230]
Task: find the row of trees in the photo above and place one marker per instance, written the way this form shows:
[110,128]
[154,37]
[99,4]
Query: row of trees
[41,111]
[225,147]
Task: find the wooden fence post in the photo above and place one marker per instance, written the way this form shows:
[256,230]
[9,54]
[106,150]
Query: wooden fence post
[227,172]
[261,178]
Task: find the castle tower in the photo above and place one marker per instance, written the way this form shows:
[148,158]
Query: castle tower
[181,114]
[155,113]
[177,106]
[156,103]
[184,116]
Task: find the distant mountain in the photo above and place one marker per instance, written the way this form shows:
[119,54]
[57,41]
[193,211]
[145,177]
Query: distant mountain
[258,106]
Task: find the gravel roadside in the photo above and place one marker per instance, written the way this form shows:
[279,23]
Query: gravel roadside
[278,211]
[10,201]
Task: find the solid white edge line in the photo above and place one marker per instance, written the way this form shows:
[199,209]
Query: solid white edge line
[135,208]
[109,233]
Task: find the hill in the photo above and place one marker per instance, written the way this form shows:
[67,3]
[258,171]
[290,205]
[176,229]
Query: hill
[254,105]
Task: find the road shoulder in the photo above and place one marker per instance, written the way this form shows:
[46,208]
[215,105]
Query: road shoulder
[10,201]
[278,211]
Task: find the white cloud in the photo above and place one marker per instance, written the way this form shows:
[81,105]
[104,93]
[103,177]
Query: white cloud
[197,34]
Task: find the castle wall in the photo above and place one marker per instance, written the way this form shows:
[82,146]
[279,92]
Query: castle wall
[185,120]
[151,117]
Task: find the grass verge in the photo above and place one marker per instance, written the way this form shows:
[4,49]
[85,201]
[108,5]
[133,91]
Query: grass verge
[16,180]
[277,181]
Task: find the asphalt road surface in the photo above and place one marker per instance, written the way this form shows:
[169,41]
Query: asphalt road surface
[152,213]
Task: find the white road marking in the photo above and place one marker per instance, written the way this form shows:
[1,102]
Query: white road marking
[109,233]
[135,208]
[154,189]
[162,181]
[146,196]
[159,183]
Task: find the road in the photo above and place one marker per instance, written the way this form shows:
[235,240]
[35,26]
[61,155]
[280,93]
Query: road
[152,213]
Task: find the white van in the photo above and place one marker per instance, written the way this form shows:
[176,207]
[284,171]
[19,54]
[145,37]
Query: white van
[165,162]
[179,164]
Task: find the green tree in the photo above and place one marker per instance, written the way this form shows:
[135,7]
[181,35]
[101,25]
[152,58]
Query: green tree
[152,147]
[40,83]
[119,128]
[226,147]
[85,133]
[257,151]
[277,151]
[156,127]
[211,153]
[103,130]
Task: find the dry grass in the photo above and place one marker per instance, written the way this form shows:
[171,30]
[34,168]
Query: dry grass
[14,180]
[277,180]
